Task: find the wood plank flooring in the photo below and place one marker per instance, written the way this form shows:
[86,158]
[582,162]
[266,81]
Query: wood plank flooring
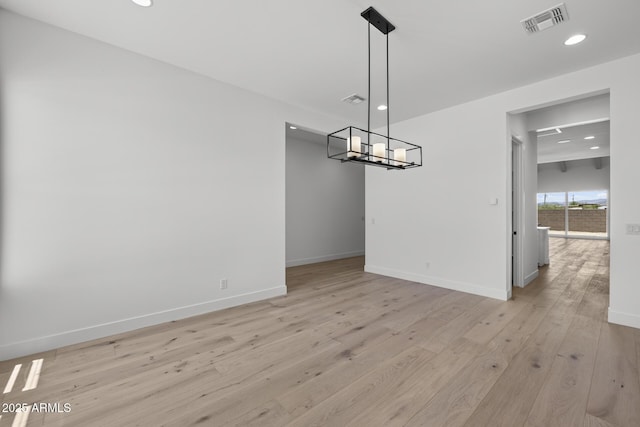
[348,348]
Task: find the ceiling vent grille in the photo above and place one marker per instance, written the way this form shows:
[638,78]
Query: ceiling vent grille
[547,19]
[353,99]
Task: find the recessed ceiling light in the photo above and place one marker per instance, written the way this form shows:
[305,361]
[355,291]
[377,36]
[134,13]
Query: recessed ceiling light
[595,147]
[293,127]
[382,107]
[589,137]
[554,129]
[575,39]
[564,141]
[555,132]
[143,3]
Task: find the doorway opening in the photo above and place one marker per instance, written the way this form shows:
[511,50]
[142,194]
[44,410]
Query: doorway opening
[565,179]
[325,201]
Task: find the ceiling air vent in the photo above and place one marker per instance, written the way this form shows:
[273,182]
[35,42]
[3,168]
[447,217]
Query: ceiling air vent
[354,99]
[543,20]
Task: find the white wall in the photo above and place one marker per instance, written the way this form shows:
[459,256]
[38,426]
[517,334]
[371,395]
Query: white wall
[530,160]
[583,110]
[434,224]
[581,175]
[441,214]
[325,205]
[129,189]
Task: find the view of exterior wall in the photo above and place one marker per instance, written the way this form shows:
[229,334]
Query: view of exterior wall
[587,220]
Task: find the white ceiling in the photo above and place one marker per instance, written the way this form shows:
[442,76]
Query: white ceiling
[549,150]
[312,54]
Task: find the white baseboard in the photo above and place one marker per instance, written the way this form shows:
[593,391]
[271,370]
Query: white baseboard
[625,319]
[530,277]
[313,260]
[50,342]
[501,294]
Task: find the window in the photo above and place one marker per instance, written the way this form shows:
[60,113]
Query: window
[574,213]
[551,212]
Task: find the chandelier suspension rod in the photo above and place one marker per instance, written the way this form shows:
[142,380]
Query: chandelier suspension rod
[369,82]
[369,77]
[388,125]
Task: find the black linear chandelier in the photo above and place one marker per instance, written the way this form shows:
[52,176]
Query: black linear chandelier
[353,144]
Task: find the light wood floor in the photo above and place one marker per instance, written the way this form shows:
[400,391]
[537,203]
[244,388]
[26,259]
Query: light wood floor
[347,348]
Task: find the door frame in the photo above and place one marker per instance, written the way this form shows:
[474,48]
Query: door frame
[517,213]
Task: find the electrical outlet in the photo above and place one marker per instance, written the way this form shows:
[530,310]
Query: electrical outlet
[223,284]
[633,228]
